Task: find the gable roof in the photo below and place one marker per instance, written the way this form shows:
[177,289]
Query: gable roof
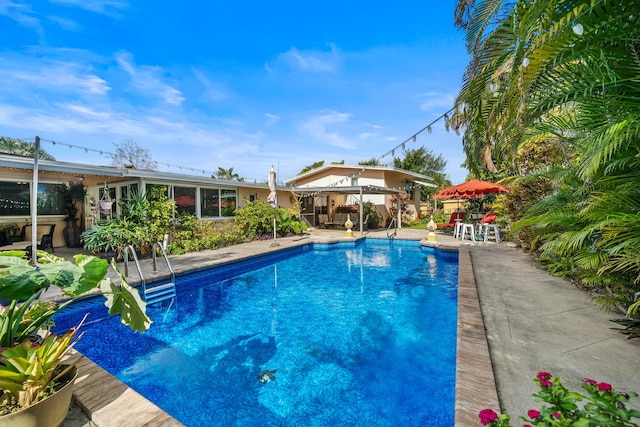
[348,169]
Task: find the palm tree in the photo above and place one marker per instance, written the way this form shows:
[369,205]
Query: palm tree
[21,148]
[227,174]
[563,74]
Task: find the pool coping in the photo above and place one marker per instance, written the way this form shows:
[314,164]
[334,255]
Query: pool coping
[109,402]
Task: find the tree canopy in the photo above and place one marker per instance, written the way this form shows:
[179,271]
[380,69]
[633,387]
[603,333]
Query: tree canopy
[551,95]
[227,174]
[130,154]
[22,148]
[423,161]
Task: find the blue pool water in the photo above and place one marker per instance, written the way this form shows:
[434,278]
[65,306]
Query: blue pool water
[358,334]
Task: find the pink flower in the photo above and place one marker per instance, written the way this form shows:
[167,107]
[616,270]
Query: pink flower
[546,383]
[526,425]
[533,414]
[487,415]
[543,375]
[604,386]
[556,414]
[590,381]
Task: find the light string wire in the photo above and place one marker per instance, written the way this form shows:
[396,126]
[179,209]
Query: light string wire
[414,136]
[111,155]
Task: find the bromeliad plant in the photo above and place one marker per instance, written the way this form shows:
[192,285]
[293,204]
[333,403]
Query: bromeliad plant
[30,354]
[603,406]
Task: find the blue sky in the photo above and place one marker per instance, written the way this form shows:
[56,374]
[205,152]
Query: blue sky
[246,84]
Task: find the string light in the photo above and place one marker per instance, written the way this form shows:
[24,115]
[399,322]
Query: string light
[413,137]
[578,29]
[107,154]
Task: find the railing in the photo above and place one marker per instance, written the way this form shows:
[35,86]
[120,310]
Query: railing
[390,234]
[131,250]
[158,292]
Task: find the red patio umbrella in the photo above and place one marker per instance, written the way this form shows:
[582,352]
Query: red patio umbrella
[185,201]
[471,189]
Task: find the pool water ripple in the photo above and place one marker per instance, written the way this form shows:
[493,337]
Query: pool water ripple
[359,335]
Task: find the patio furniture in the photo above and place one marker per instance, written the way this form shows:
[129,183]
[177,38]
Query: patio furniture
[452,220]
[46,240]
[457,228]
[468,228]
[487,228]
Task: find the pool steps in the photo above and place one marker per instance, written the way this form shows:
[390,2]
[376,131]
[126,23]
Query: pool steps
[156,293]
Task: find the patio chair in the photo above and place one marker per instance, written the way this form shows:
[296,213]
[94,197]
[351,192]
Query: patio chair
[323,219]
[452,220]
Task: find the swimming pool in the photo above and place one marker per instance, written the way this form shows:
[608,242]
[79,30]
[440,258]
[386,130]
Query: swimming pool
[358,334]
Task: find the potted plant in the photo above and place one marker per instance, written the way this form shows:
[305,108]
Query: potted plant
[32,375]
[108,240]
[7,231]
[369,211]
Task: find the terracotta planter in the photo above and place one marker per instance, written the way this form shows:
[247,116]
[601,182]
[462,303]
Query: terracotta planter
[50,412]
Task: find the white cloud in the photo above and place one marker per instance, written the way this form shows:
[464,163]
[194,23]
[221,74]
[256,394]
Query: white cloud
[309,61]
[212,91]
[66,24]
[20,13]
[148,80]
[51,76]
[271,119]
[325,128]
[436,101]
[104,7]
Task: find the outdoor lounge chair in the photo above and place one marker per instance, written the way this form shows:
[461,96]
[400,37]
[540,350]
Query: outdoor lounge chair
[452,220]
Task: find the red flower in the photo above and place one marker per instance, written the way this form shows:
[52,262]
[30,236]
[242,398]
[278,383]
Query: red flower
[546,383]
[533,414]
[543,375]
[604,386]
[590,381]
[487,415]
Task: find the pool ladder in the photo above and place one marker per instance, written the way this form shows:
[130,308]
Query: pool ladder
[158,292]
[392,234]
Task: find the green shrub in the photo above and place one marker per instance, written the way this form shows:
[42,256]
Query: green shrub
[255,220]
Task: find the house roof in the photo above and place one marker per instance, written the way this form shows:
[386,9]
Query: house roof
[355,168]
[21,162]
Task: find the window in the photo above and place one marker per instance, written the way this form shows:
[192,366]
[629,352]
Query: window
[215,202]
[15,199]
[50,201]
[209,202]
[228,204]
[185,198]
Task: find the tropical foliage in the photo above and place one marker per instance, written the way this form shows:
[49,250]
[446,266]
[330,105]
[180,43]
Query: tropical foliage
[21,148]
[227,174]
[423,161]
[255,220]
[552,94]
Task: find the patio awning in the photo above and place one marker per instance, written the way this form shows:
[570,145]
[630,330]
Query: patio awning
[360,189]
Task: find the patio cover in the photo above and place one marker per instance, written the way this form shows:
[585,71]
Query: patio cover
[359,189]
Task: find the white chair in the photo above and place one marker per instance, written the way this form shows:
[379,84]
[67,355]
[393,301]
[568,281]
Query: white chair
[458,228]
[489,228]
[470,228]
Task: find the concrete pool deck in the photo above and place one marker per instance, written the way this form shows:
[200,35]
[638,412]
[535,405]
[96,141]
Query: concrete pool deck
[533,322]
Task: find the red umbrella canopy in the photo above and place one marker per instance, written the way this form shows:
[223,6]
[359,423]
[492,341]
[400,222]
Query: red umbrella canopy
[471,189]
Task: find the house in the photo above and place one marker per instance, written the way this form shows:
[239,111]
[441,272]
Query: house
[201,195]
[331,188]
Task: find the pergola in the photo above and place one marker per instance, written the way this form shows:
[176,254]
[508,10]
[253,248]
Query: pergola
[360,190]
